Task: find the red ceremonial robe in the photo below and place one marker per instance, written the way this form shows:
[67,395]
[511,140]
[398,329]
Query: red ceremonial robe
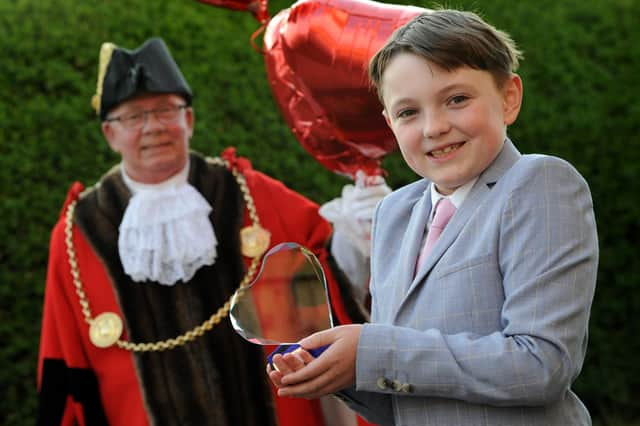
[218,378]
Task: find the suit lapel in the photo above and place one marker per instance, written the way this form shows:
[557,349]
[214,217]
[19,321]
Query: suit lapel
[481,189]
[412,238]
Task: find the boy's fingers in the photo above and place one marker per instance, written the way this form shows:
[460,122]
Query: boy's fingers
[307,357]
[275,376]
[308,373]
[304,356]
[276,382]
[317,340]
[313,388]
[281,365]
[295,359]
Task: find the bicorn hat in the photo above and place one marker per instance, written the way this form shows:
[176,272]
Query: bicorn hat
[124,74]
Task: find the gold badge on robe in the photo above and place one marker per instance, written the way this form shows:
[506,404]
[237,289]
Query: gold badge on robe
[105,330]
[254,240]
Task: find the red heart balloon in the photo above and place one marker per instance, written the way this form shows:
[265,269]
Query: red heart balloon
[258,8]
[316,55]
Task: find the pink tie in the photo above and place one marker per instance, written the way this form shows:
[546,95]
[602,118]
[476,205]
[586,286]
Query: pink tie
[444,210]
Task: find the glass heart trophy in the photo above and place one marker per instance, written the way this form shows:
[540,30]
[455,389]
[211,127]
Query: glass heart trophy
[287,301]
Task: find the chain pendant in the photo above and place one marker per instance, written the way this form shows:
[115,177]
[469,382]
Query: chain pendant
[105,329]
[254,240]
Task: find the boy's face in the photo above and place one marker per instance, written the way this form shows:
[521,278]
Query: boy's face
[449,125]
[157,150]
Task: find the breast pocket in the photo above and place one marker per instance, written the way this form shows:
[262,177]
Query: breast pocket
[470,295]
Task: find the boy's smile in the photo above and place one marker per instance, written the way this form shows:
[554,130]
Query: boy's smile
[450,125]
[442,152]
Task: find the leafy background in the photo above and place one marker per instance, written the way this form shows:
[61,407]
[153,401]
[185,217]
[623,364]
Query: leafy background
[581,103]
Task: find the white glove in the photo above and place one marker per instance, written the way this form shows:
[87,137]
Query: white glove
[351,213]
[351,216]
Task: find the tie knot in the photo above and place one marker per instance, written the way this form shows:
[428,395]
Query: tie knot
[444,210]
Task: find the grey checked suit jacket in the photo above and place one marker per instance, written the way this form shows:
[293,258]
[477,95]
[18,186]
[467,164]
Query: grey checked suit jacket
[493,328]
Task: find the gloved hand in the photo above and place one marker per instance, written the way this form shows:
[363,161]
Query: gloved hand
[351,216]
[351,213]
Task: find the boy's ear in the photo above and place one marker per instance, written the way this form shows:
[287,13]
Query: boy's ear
[386,117]
[512,98]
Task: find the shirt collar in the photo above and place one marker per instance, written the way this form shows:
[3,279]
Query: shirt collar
[457,197]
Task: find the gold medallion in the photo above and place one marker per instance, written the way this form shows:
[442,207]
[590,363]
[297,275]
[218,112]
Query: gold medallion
[105,329]
[254,240]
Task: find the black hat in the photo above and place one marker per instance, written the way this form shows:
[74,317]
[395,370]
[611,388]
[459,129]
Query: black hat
[123,74]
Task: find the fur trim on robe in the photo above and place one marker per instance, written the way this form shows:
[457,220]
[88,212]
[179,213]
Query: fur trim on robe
[218,379]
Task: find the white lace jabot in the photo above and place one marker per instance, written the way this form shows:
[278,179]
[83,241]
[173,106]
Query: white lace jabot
[166,234]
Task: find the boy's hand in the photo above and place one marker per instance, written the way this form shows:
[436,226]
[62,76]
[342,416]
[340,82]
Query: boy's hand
[298,374]
[287,363]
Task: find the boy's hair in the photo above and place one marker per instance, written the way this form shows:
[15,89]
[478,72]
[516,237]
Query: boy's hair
[450,39]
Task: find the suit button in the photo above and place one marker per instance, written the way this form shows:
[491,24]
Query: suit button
[406,388]
[383,383]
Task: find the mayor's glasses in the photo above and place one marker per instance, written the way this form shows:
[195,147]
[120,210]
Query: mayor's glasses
[166,114]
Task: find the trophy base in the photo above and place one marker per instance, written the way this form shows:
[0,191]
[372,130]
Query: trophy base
[285,349]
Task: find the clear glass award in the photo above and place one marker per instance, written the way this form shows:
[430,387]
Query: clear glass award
[287,301]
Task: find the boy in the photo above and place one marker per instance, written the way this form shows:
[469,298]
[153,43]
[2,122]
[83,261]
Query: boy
[485,323]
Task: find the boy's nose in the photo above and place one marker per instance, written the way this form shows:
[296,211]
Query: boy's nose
[435,124]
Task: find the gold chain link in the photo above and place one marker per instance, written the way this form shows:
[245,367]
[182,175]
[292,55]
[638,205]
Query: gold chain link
[192,334]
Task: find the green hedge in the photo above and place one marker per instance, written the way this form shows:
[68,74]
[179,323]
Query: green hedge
[581,88]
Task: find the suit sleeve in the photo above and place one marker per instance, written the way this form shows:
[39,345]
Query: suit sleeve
[547,257]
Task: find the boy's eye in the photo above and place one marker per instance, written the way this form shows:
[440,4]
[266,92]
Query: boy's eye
[458,99]
[405,113]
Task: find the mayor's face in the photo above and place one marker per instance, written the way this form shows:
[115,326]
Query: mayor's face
[152,134]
